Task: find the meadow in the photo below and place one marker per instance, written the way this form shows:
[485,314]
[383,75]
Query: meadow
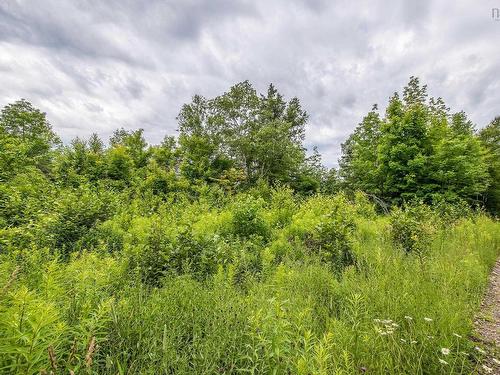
[230,249]
[262,282]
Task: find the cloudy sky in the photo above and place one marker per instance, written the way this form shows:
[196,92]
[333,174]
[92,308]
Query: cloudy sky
[94,66]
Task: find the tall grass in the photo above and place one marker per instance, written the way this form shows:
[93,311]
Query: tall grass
[272,303]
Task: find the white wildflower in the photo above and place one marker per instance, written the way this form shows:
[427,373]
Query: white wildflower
[445,351]
[457,335]
[428,319]
[408,317]
[496,361]
[413,342]
[487,369]
[480,350]
[403,340]
[442,361]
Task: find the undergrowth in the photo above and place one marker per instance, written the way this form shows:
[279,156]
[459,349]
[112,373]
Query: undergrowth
[249,285]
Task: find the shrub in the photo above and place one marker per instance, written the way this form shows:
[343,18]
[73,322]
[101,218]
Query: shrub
[282,207]
[333,240]
[364,207]
[74,214]
[412,227]
[248,219]
[326,226]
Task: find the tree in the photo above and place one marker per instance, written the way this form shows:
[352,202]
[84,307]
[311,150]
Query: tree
[404,148]
[490,138]
[418,150]
[259,135]
[311,175]
[82,161]
[26,129]
[134,143]
[119,164]
[458,165]
[358,164]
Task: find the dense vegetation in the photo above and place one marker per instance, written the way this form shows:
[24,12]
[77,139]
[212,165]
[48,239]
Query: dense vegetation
[229,250]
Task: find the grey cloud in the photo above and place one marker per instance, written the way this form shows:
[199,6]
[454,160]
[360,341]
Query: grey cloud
[94,107]
[98,65]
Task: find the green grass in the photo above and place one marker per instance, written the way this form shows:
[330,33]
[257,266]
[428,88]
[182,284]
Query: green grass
[260,306]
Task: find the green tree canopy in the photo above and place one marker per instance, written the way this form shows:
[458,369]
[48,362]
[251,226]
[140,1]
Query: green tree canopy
[490,138]
[26,136]
[261,135]
[418,150]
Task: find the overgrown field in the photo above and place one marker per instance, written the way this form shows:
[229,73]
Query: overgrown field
[229,249]
[260,282]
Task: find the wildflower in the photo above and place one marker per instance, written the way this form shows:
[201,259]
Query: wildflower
[487,369]
[376,320]
[480,350]
[445,351]
[442,361]
[457,335]
[403,340]
[395,325]
[428,319]
[430,337]
[408,317]
[413,342]
[496,361]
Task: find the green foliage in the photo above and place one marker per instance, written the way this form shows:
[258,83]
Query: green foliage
[490,138]
[325,225]
[215,253]
[248,219]
[73,216]
[412,227]
[119,165]
[260,136]
[298,317]
[417,151]
[27,137]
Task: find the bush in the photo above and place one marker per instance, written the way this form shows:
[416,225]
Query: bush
[412,227]
[74,214]
[282,207]
[248,219]
[326,226]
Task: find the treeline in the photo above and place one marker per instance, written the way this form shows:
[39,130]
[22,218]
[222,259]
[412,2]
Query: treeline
[417,150]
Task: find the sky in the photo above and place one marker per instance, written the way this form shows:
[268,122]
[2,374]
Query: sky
[95,66]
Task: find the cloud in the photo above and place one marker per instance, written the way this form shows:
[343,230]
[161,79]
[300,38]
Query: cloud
[100,65]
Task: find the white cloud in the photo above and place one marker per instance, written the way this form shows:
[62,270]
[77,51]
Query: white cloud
[96,66]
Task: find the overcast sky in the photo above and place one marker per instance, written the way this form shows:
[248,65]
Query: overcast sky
[94,66]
